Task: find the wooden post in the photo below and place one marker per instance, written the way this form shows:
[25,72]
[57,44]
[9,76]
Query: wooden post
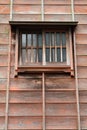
[43,96]
[72,10]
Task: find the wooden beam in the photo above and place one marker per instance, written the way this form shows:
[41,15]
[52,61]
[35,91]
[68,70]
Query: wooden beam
[43,96]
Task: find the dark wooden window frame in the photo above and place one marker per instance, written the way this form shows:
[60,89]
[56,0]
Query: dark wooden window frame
[69,26]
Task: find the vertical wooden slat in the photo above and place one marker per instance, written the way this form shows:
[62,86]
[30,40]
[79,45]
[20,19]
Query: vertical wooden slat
[71,52]
[42,9]
[72,10]
[8,82]
[43,95]
[77,85]
[16,52]
[11,9]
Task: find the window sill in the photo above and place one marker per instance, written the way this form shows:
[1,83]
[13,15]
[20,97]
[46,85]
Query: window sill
[45,68]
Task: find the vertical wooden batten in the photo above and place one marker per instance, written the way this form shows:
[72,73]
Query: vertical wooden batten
[77,85]
[11,10]
[42,10]
[72,10]
[8,82]
[43,100]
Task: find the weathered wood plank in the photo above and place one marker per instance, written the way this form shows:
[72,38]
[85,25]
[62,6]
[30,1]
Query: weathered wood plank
[25,110]
[81,39]
[2,123]
[2,110]
[57,83]
[83,123]
[61,123]
[25,84]
[58,17]
[81,18]
[83,109]
[60,97]
[82,60]
[83,96]
[82,72]
[25,97]
[55,2]
[81,29]
[2,97]
[26,9]
[81,9]
[4,1]
[81,49]
[3,60]
[82,84]
[27,2]
[25,17]
[3,83]
[4,18]
[3,72]
[80,2]
[4,28]
[4,38]
[25,123]
[61,110]
[4,9]
[57,9]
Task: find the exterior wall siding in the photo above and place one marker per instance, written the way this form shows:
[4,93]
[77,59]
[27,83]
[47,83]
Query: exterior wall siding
[25,92]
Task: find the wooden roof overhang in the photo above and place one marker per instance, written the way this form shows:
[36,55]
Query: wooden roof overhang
[44,24]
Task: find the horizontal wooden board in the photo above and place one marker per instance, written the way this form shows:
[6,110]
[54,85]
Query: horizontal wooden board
[27,2]
[83,96]
[82,84]
[3,49]
[25,123]
[61,110]
[82,72]
[4,38]
[2,123]
[25,109]
[26,9]
[55,2]
[4,1]
[80,2]
[4,28]
[83,123]
[60,97]
[2,109]
[81,9]
[57,9]
[81,49]
[25,84]
[3,60]
[58,17]
[4,18]
[61,123]
[3,72]
[2,97]
[82,60]
[25,97]
[27,17]
[81,18]
[81,39]
[4,9]
[3,83]
[83,109]
[81,29]
[57,83]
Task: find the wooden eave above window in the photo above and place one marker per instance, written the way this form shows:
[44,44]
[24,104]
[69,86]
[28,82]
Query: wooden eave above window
[42,24]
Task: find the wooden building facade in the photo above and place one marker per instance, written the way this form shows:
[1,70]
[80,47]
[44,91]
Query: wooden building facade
[43,87]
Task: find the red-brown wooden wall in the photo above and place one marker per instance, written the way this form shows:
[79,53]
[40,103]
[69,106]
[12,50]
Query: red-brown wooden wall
[25,95]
